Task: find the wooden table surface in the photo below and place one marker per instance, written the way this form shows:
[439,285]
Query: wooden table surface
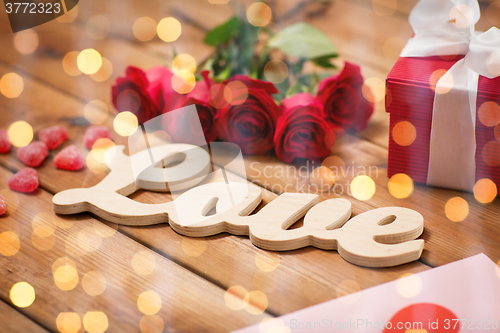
[192,276]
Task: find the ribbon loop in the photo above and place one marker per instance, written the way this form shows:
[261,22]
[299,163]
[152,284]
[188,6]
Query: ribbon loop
[484,54]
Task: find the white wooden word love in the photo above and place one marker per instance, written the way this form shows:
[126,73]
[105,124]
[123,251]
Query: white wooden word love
[381,237]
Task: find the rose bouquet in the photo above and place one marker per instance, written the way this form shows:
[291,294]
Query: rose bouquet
[255,92]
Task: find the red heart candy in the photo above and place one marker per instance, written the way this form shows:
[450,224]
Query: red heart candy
[25,181]
[69,159]
[53,137]
[33,154]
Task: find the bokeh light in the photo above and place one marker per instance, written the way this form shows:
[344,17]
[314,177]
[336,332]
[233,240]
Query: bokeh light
[89,61]
[95,322]
[409,285]
[149,302]
[144,262]
[144,28]
[169,29]
[493,13]
[336,165]
[276,71]
[400,186]
[151,324]
[485,190]
[88,240]
[98,27]
[489,113]
[184,61]
[404,133]
[70,65]
[384,7]
[22,294]
[105,72]
[259,14]
[267,261]
[322,178]
[43,243]
[348,288]
[68,322]
[42,225]
[94,165]
[9,243]
[26,42]
[11,85]
[125,123]
[218,96]
[20,133]
[96,112]
[456,209]
[100,147]
[373,90]
[235,298]
[66,277]
[237,91]
[363,187]
[446,79]
[105,230]
[193,247]
[491,153]
[94,283]
[256,302]
[183,81]
[462,16]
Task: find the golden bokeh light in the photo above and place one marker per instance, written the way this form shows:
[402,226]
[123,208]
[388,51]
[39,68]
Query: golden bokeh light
[151,324]
[125,123]
[259,14]
[144,262]
[267,261]
[184,61]
[70,65]
[256,302]
[94,165]
[149,303]
[373,90]
[236,298]
[322,178]
[485,190]
[183,81]
[43,243]
[400,186]
[489,113]
[11,85]
[94,283]
[96,112]
[95,322]
[100,147]
[26,42]
[446,81]
[98,27]
[409,285]
[219,97]
[363,187]
[144,28]
[491,153]
[276,71]
[42,225]
[346,291]
[193,247]
[462,16]
[69,17]
[104,72]
[88,240]
[392,48]
[9,243]
[22,294]
[456,209]
[68,322]
[404,133]
[89,61]
[336,165]
[20,133]
[236,92]
[384,7]
[169,29]
[66,277]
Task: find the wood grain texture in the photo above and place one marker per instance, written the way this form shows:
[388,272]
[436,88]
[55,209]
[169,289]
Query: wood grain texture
[94,246]
[13,321]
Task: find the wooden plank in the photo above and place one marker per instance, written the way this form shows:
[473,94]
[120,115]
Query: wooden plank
[14,322]
[226,260]
[94,246]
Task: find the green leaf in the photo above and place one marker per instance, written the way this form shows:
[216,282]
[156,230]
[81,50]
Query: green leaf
[224,32]
[324,61]
[303,41]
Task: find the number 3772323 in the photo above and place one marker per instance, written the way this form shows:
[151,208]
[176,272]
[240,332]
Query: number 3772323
[33,8]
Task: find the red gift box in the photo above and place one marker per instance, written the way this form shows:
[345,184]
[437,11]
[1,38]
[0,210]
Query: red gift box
[410,98]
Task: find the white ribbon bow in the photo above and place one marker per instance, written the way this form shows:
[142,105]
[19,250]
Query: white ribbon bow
[443,28]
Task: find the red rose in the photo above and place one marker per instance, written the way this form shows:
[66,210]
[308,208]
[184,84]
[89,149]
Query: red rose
[251,124]
[130,93]
[182,129]
[343,99]
[301,129]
